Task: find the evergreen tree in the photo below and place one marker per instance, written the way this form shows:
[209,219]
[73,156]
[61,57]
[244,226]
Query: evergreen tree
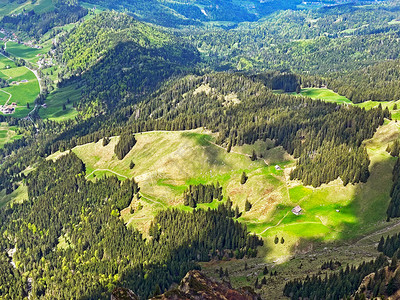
[253,156]
[247,205]
[265,271]
[243,178]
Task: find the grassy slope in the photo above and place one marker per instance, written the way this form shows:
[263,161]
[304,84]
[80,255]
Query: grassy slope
[55,101]
[167,162]
[324,94]
[8,134]
[25,52]
[330,96]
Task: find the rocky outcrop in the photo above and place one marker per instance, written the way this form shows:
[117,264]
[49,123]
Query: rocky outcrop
[123,294]
[195,285]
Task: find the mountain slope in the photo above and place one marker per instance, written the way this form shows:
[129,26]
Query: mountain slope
[116,58]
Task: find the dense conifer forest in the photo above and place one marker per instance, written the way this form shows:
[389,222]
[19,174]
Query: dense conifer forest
[80,248]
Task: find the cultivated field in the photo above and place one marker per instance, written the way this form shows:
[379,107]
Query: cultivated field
[23,89]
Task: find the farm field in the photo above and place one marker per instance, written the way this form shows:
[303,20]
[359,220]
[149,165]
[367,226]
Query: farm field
[330,213]
[24,90]
[8,134]
[25,52]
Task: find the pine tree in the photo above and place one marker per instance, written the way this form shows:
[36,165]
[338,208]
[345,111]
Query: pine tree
[256,284]
[247,205]
[265,272]
[243,179]
[264,281]
[237,213]
[282,240]
[253,156]
[229,148]
[131,165]
[276,240]
[381,243]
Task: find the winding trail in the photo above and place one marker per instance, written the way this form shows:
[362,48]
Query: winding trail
[106,170]
[279,223]
[379,232]
[10,96]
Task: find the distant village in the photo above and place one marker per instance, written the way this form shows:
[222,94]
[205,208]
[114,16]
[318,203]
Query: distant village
[43,62]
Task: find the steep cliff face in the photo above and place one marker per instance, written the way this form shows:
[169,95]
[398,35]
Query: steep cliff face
[195,286]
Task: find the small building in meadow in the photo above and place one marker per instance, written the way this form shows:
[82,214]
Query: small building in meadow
[297,210]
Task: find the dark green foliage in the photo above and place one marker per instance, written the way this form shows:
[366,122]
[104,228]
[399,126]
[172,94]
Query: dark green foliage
[276,240]
[253,156]
[106,141]
[394,284]
[131,165]
[265,271]
[393,210]
[182,12]
[264,281]
[390,246]
[323,41]
[282,240]
[100,252]
[247,205]
[394,149]
[336,286]
[243,178]
[12,285]
[379,82]
[135,59]
[125,144]
[202,193]
[38,24]
[229,148]
[331,265]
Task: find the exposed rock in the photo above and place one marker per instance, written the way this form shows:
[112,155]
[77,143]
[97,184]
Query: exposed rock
[196,286]
[123,294]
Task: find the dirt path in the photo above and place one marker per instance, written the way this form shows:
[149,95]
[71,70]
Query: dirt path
[107,170]
[154,201]
[10,96]
[280,221]
[379,232]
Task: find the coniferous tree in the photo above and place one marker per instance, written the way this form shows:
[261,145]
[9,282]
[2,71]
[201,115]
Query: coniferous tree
[243,178]
[247,205]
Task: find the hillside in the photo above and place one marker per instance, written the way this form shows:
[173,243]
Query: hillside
[118,59]
[378,82]
[194,12]
[255,141]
